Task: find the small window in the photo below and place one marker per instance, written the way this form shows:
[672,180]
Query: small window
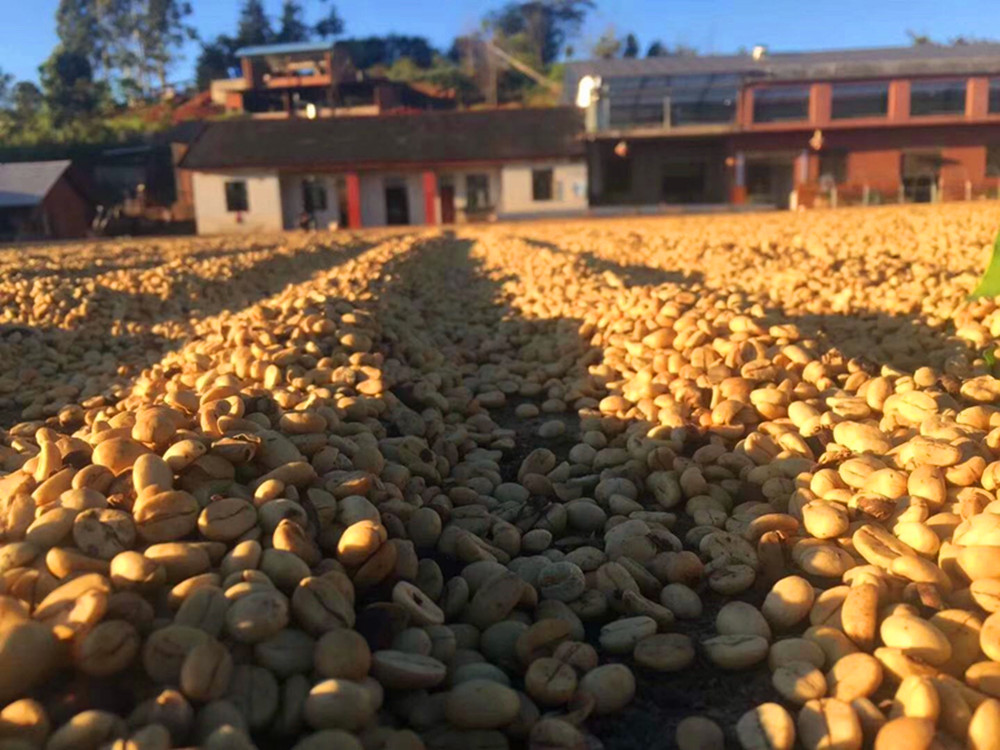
[937,98]
[781,104]
[236,196]
[993,161]
[477,192]
[541,184]
[994,107]
[859,100]
[313,195]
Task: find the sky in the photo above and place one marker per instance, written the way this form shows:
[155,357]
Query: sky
[27,34]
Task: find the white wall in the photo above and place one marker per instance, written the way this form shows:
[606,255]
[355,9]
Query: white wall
[372,200]
[263,212]
[457,178]
[292,204]
[569,188]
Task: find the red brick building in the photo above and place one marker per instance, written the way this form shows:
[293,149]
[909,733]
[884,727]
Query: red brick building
[915,123]
[43,200]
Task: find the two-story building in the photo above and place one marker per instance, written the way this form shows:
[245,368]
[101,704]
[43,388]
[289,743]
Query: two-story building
[313,79]
[907,123]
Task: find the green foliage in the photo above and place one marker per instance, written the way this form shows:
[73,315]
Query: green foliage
[70,90]
[216,60]
[545,25]
[371,51]
[990,358]
[989,282]
[291,26]
[330,25]
[253,27]
[25,100]
[607,46]
[631,47]
[78,27]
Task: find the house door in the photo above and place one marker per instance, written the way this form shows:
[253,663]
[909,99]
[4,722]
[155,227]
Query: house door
[447,204]
[920,171]
[770,179]
[397,206]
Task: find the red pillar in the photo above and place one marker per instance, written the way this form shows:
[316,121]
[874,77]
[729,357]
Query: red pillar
[430,194]
[353,185]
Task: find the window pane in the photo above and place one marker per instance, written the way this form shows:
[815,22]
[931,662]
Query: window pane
[781,103]
[860,100]
[541,184]
[236,196]
[993,161]
[693,99]
[994,96]
[937,98]
[477,192]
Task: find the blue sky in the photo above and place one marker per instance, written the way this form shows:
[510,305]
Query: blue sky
[27,33]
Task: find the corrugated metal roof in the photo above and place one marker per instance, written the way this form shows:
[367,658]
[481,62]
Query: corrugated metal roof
[291,48]
[398,139]
[871,62]
[27,183]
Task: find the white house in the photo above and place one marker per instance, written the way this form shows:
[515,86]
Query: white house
[427,168]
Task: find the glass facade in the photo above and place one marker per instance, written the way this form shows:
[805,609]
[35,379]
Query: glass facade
[781,104]
[850,100]
[937,98]
[672,101]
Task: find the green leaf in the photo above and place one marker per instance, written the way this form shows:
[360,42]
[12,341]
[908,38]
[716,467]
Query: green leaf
[990,357]
[989,283]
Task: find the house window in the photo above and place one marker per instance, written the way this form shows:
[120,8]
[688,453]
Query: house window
[236,196]
[541,184]
[833,166]
[781,104]
[994,106]
[313,195]
[993,161]
[477,192]
[859,100]
[937,98]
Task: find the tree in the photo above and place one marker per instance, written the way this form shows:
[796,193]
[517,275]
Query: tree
[70,90]
[254,26]
[330,25]
[25,100]
[160,33]
[217,60]
[6,87]
[291,26]
[919,40]
[384,51]
[631,46]
[79,30]
[607,46]
[656,49]
[543,25]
